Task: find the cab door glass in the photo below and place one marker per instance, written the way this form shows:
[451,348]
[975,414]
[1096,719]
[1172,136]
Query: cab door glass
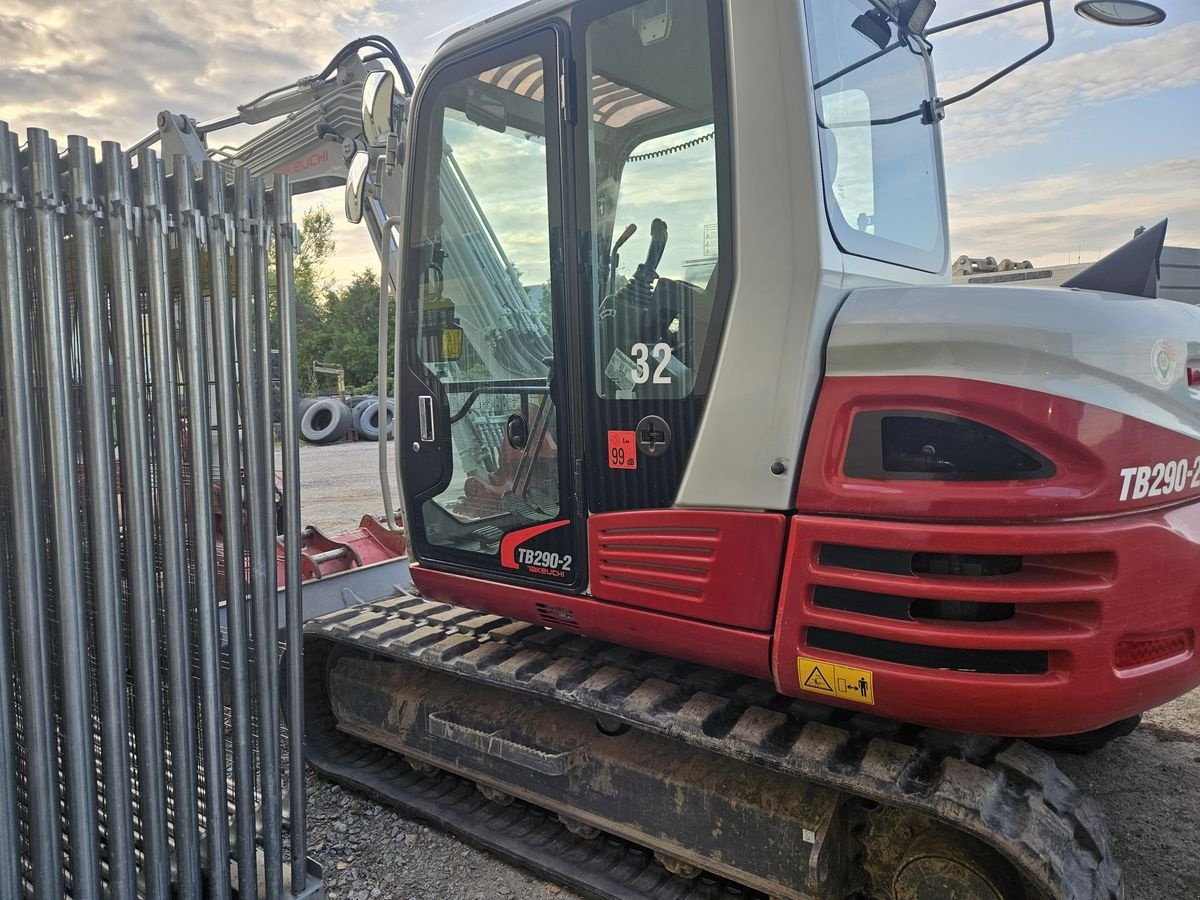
[654,189]
[484,324]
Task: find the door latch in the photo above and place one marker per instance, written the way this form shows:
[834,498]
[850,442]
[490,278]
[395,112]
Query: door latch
[425,412]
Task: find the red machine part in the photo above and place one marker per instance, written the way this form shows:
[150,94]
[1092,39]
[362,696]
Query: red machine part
[1036,626]
[1098,622]
[1022,629]
[321,556]
[1047,605]
[721,567]
[372,542]
[732,649]
[1092,448]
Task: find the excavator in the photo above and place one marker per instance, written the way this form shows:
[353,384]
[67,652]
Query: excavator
[744,550]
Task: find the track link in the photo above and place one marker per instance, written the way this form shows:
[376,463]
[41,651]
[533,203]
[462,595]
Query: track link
[1003,793]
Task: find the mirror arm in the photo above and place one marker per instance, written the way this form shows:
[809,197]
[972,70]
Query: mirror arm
[940,104]
[854,66]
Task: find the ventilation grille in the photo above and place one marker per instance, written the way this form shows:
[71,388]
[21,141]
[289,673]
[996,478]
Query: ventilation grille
[906,609]
[905,562]
[956,659]
[672,561]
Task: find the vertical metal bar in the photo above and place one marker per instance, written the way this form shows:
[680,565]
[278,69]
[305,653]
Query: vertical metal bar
[29,564]
[138,525]
[220,237]
[66,537]
[285,245]
[259,488]
[105,552]
[385,288]
[191,231]
[10,836]
[156,224]
[19,538]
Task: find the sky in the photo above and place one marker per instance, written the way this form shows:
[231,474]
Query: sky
[1059,161]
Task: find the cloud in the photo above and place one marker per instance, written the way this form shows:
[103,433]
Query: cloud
[105,69]
[1028,23]
[1090,209]
[1028,106]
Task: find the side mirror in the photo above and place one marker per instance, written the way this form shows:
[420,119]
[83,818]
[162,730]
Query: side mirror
[378,91]
[356,186]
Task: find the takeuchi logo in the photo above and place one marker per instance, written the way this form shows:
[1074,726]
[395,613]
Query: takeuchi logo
[1162,362]
[304,163]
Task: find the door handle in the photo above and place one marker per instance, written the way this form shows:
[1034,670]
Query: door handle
[425,413]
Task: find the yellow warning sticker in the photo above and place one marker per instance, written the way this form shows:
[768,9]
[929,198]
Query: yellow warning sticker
[842,682]
[452,341]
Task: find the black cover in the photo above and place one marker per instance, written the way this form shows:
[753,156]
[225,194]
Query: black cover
[1130,269]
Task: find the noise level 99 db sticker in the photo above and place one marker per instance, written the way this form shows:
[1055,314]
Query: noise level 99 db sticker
[840,682]
[622,450]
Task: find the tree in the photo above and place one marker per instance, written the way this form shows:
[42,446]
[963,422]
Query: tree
[312,282]
[336,325]
[352,327]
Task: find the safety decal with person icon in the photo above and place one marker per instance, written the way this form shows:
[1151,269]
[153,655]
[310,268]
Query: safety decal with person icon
[844,682]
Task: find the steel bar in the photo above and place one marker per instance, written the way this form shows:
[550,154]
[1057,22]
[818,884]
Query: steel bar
[285,245]
[138,529]
[104,547]
[28,563]
[192,234]
[11,541]
[66,534]
[386,254]
[221,238]
[164,393]
[122,345]
[259,495]
[10,838]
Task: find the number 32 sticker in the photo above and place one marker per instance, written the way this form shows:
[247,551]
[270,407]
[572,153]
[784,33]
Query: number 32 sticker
[641,358]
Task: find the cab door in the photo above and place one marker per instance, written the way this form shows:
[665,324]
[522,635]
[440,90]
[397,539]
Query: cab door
[485,439]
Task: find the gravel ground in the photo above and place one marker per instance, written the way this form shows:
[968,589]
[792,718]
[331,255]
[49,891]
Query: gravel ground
[368,851]
[1147,783]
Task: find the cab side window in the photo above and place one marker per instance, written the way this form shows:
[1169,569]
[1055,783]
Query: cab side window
[655,193]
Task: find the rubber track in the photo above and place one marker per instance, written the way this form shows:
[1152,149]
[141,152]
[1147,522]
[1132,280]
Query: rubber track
[1005,793]
[607,867]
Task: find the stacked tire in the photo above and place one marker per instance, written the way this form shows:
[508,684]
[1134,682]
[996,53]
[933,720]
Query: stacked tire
[324,420]
[358,409]
[373,418]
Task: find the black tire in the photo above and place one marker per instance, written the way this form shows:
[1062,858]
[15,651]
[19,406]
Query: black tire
[369,421]
[325,421]
[357,413]
[1090,741]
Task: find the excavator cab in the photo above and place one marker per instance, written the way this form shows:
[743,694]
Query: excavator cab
[527,155]
[582,215]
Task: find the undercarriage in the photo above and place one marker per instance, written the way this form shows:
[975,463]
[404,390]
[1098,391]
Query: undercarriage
[625,774]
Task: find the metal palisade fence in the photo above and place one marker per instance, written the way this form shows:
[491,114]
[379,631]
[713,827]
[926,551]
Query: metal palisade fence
[144,673]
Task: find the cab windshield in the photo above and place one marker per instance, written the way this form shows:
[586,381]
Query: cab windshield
[883,190]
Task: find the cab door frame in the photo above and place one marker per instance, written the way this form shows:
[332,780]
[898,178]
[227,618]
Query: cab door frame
[426,474]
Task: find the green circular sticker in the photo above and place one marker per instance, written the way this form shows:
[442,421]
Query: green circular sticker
[1162,362]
